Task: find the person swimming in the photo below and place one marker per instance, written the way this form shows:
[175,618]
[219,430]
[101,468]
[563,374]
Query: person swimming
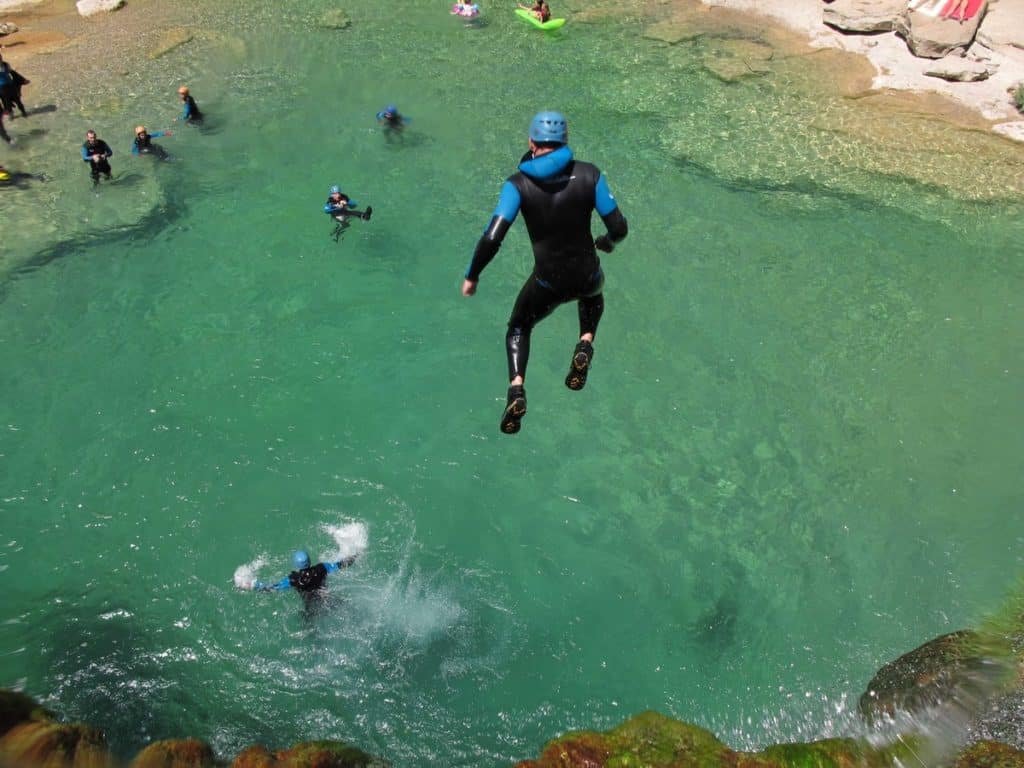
[310,581]
[341,208]
[391,121]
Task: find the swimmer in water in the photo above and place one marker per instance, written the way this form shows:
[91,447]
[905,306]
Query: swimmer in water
[308,580]
[341,208]
[391,122]
[143,144]
[190,111]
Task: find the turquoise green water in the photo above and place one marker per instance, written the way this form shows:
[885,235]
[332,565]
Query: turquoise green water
[798,455]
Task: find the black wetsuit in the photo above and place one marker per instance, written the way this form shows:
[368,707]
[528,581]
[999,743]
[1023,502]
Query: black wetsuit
[3,131]
[10,92]
[190,113]
[100,166]
[144,145]
[557,195]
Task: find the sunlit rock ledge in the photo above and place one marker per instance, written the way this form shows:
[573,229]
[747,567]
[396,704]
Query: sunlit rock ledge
[920,710]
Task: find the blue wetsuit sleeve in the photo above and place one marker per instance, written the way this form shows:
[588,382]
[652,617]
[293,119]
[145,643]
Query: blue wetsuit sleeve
[604,201]
[157,134]
[331,567]
[186,113]
[490,241]
[135,148]
[610,214]
[508,202]
[85,153]
[259,586]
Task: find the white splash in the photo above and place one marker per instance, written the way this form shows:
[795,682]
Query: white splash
[349,539]
[245,575]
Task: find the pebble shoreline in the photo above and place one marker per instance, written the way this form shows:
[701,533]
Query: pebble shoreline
[49,25]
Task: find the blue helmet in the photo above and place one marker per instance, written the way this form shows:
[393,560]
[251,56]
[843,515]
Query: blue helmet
[335,190]
[390,109]
[549,127]
[300,559]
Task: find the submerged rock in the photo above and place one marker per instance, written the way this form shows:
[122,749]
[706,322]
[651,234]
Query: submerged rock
[335,19]
[7,28]
[169,40]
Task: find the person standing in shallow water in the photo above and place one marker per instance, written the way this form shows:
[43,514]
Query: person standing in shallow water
[143,144]
[11,82]
[557,195]
[96,152]
[190,110]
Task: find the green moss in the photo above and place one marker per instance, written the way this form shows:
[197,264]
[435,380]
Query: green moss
[328,754]
[990,754]
[1018,97]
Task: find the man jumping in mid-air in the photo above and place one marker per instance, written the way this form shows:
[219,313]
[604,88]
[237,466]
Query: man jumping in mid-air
[557,195]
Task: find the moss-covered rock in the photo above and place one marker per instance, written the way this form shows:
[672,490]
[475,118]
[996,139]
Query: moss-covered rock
[649,739]
[990,754]
[328,754]
[175,753]
[964,666]
[54,745]
[16,707]
[256,756]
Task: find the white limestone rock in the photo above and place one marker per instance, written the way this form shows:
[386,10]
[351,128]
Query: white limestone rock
[92,7]
[957,69]
[865,16]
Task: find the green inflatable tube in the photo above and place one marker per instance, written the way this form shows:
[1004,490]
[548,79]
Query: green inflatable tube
[529,18]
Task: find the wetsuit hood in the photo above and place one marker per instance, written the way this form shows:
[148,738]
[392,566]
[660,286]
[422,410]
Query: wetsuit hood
[548,165]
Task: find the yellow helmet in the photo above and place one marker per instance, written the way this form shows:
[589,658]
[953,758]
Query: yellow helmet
[139,129]
[183,90]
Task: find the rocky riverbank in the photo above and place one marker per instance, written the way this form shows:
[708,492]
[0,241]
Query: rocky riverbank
[968,683]
[977,63]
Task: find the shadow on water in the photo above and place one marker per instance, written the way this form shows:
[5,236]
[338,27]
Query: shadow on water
[21,180]
[105,666]
[149,226]
[44,109]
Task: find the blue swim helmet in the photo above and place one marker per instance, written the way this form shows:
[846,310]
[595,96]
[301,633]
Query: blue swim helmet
[300,559]
[549,127]
[335,190]
[390,109]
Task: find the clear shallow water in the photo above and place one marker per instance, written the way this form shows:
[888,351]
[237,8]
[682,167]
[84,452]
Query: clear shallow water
[797,456]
